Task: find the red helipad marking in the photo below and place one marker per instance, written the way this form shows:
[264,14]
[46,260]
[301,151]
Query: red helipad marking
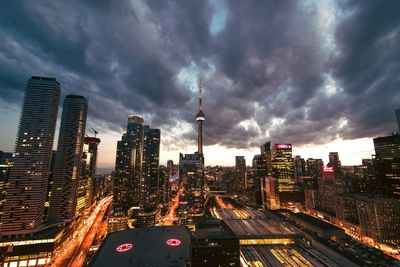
[173,242]
[124,247]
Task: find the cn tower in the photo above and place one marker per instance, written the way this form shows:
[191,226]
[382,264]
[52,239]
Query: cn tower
[200,118]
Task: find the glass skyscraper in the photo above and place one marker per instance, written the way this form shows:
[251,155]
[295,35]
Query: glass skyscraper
[67,169]
[26,194]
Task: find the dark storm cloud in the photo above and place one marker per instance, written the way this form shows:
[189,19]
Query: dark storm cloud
[264,74]
[368,65]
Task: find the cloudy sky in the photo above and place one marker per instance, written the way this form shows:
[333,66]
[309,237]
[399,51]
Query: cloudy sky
[322,75]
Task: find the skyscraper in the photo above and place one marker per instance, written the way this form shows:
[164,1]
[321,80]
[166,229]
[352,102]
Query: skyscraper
[67,168]
[26,194]
[128,175]
[397,111]
[282,167]
[387,164]
[151,159]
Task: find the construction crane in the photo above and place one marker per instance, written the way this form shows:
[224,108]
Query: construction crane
[95,132]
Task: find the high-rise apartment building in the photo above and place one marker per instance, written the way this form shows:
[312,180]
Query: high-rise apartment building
[26,194]
[151,159]
[67,168]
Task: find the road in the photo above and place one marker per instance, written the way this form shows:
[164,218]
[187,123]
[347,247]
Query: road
[79,244]
[171,217]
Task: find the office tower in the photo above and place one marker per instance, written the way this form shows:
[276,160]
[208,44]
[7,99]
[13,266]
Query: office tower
[387,164]
[67,168]
[26,194]
[272,193]
[299,165]
[191,174]
[310,193]
[128,175]
[387,147]
[314,167]
[259,173]
[151,158]
[282,167]
[240,163]
[379,218]
[327,190]
[397,111]
[200,119]
[334,161]
[266,152]
[88,173]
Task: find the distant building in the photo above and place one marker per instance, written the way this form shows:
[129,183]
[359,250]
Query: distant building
[311,199]
[164,189]
[314,167]
[397,111]
[299,165]
[67,168]
[88,173]
[259,175]
[334,161]
[26,194]
[327,190]
[272,193]
[240,163]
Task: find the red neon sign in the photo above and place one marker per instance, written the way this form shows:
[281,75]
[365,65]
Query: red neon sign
[124,247]
[283,146]
[173,242]
[328,169]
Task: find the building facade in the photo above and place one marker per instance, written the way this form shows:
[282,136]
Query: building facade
[67,169]
[26,194]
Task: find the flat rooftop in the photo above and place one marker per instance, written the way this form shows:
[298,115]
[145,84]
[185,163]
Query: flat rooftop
[150,246]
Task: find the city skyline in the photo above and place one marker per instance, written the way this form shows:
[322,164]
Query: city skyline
[256,88]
